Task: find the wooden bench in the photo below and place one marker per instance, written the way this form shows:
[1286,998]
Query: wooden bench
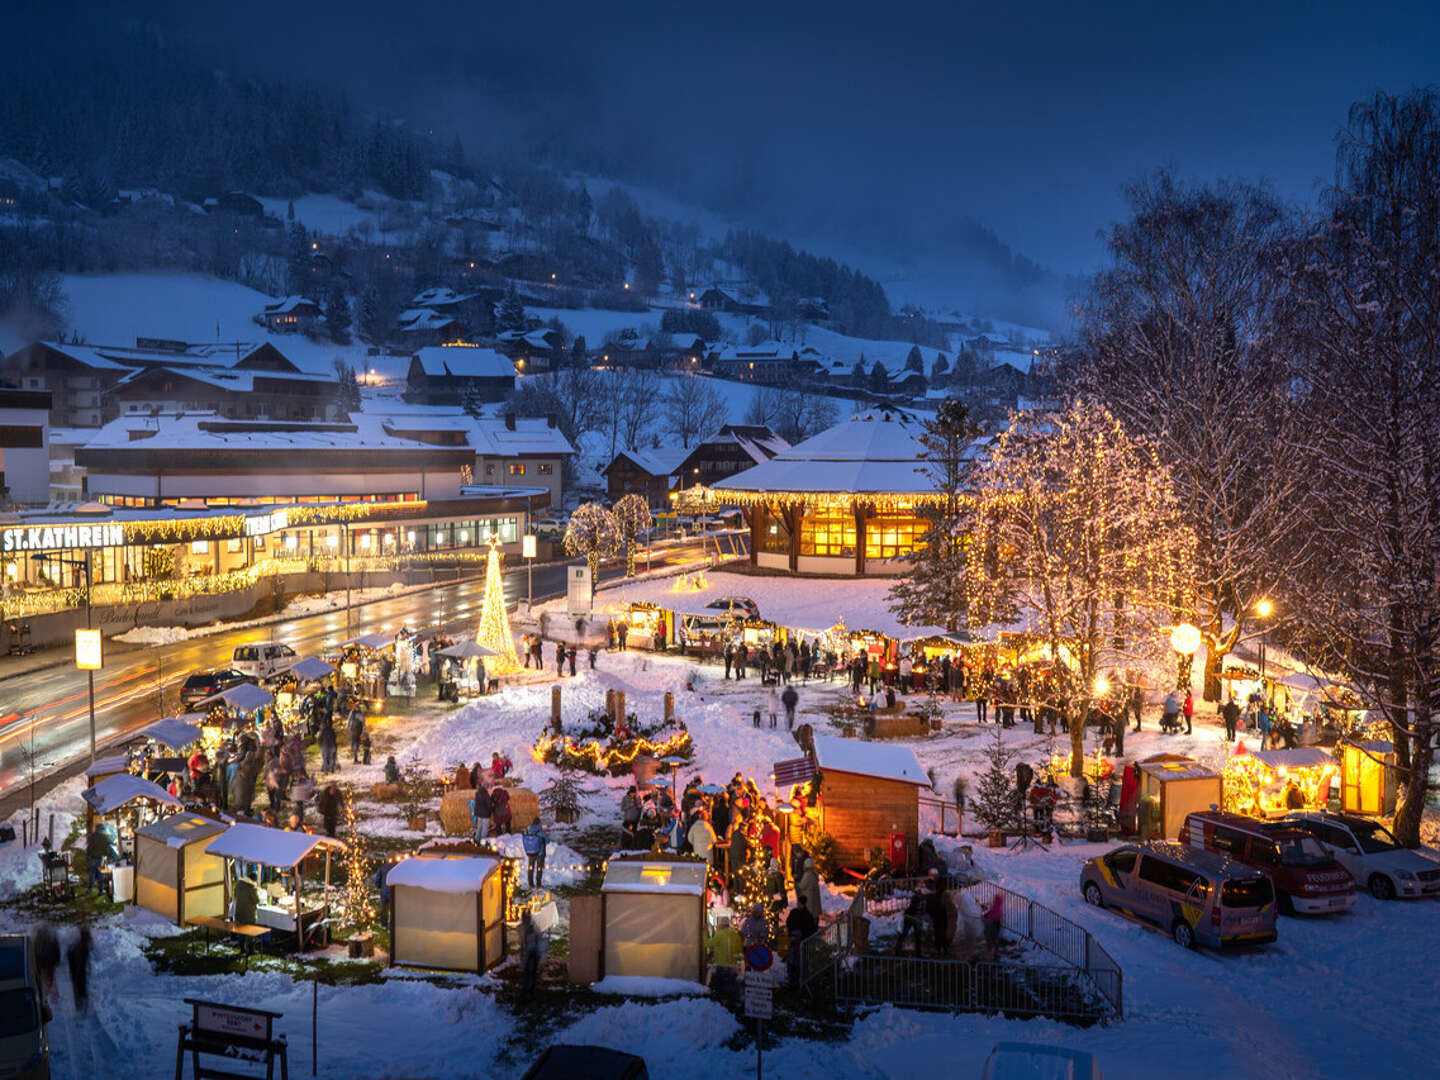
[248,933]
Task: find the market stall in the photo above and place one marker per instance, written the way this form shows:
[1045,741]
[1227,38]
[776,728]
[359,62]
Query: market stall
[282,904]
[463,669]
[100,769]
[174,732]
[1367,778]
[1272,783]
[650,627]
[174,875]
[363,666]
[653,920]
[123,791]
[447,911]
[233,708]
[1179,786]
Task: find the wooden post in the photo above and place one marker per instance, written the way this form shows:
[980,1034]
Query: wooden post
[619,700]
[860,516]
[669,706]
[610,704]
[555,706]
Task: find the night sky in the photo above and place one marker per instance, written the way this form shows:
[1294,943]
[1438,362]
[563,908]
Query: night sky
[883,130]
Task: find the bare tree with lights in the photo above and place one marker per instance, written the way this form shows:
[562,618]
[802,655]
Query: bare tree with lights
[933,593]
[1366,284]
[633,519]
[1077,528]
[1179,341]
[593,533]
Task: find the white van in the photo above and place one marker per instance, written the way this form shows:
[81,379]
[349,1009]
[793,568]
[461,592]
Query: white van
[24,1050]
[262,660]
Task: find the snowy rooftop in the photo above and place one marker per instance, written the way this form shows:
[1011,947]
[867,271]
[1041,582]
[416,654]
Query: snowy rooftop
[267,846]
[531,435]
[447,874]
[470,361]
[884,761]
[874,452]
[172,732]
[288,304]
[364,432]
[177,830]
[643,876]
[116,791]
[661,462]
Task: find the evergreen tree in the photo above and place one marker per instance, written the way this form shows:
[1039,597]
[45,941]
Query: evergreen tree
[372,325]
[347,388]
[290,211]
[337,315]
[994,797]
[933,594]
[512,312]
[579,352]
[474,401]
[941,368]
[914,361]
[879,378]
[857,374]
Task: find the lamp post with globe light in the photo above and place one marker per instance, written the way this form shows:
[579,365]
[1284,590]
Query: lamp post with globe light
[1184,639]
[1263,609]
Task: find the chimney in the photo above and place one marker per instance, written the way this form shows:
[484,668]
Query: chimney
[509,421]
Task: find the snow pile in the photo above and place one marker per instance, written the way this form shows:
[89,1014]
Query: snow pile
[644,986]
[155,635]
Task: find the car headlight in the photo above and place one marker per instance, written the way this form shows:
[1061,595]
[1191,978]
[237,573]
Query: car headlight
[1407,875]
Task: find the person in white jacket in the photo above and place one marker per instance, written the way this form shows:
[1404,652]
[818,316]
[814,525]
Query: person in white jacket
[971,924]
[702,836]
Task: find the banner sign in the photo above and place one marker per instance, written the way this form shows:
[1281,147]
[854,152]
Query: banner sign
[61,537]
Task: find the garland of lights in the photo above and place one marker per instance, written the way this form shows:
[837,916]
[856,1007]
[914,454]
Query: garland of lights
[359,907]
[611,756]
[700,496]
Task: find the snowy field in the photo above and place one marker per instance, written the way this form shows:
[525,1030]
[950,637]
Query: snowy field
[1320,1002]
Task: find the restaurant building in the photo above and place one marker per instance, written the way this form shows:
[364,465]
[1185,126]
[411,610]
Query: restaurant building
[843,502]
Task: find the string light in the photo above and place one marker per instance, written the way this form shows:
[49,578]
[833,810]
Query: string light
[596,756]
[358,905]
[494,630]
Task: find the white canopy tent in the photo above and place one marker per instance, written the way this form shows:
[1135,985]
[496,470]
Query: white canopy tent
[447,912]
[283,850]
[115,792]
[175,732]
[242,697]
[654,918]
[310,669]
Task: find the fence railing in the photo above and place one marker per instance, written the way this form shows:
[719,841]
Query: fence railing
[960,984]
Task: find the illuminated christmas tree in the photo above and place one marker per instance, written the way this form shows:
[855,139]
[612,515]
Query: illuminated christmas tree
[494,631]
[358,905]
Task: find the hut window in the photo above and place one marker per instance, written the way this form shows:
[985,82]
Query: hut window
[828,533]
[774,536]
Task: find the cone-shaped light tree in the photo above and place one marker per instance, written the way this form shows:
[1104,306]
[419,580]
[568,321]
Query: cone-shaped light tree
[494,632]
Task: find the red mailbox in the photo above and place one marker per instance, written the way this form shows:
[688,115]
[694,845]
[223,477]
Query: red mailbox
[899,852]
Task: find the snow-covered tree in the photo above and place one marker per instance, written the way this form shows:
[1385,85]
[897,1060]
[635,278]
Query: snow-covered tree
[633,519]
[693,408]
[1077,528]
[511,315]
[1366,286]
[993,797]
[1179,342]
[593,533]
[933,593]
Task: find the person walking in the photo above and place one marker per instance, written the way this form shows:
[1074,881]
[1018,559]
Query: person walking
[729,658]
[77,957]
[329,804]
[480,810]
[1189,711]
[772,705]
[329,748]
[910,922]
[1263,718]
[570,658]
[809,887]
[702,836]
[535,843]
[982,698]
[47,958]
[790,698]
[532,951]
[994,919]
[623,633]
[799,925]
[938,910]
[1230,713]
[742,654]
[560,658]
[356,728]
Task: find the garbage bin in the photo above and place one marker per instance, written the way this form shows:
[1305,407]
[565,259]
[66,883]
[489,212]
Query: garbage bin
[122,884]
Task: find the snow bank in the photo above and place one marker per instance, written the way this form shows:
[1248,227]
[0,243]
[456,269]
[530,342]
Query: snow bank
[646,986]
[155,635]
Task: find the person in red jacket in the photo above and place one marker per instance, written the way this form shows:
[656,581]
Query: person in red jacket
[1189,711]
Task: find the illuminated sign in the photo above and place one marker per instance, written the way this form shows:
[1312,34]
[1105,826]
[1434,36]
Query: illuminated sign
[264,524]
[61,537]
[87,650]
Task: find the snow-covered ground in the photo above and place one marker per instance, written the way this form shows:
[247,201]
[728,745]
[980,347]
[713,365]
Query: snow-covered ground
[1333,997]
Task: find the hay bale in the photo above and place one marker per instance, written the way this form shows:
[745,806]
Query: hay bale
[524,808]
[455,813]
[387,791]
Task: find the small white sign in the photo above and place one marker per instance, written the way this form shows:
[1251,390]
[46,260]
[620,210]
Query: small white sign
[88,650]
[527,546]
[227,1021]
[758,1000]
[580,589]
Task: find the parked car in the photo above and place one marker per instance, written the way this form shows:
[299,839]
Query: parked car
[1372,854]
[551,529]
[563,1061]
[1307,879]
[736,604]
[24,1049]
[204,684]
[1197,897]
[262,660]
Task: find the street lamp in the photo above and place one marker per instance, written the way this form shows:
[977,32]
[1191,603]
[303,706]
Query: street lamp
[1263,609]
[87,642]
[1184,639]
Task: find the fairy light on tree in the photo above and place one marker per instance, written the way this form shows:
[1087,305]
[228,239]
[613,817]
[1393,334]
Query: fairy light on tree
[494,632]
[594,533]
[1077,526]
[632,517]
[358,904]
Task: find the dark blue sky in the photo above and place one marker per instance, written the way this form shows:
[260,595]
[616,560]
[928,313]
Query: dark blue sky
[886,126]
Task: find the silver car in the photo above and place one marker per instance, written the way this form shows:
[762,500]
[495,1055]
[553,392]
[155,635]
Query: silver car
[1373,856]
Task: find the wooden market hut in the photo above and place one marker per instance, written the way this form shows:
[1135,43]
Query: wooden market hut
[1367,778]
[102,769]
[1257,781]
[174,875]
[122,790]
[653,918]
[447,911]
[869,798]
[1181,786]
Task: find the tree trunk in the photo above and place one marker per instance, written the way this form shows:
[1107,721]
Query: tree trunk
[1077,737]
[1412,807]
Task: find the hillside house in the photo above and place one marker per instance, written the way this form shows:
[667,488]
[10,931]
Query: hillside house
[643,472]
[767,362]
[290,315]
[732,449]
[735,298]
[532,350]
[455,374]
[422,328]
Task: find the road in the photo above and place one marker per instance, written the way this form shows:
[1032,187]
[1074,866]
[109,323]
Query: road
[53,701]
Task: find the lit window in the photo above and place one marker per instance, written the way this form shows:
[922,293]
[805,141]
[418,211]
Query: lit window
[291,542]
[232,546]
[517,470]
[199,547]
[829,532]
[889,535]
[544,469]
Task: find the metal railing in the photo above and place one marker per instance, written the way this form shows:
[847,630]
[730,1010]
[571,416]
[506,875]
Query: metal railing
[1089,985]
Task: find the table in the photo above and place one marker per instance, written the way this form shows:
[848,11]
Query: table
[245,931]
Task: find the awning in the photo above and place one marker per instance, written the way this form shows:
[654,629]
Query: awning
[373,642]
[267,846]
[121,789]
[466,650]
[311,669]
[172,732]
[107,766]
[1301,757]
[246,697]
